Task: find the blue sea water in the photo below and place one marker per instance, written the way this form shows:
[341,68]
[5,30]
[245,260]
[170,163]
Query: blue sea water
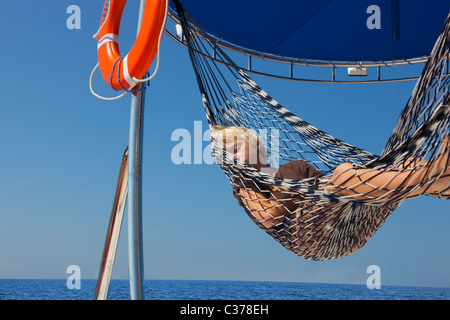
[28,289]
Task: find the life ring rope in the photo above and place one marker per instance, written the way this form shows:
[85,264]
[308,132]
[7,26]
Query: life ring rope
[161,33]
[112,37]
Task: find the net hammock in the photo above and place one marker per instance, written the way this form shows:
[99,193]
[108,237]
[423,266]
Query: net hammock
[318,224]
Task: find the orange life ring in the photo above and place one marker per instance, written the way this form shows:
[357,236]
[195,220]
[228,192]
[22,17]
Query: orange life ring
[118,71]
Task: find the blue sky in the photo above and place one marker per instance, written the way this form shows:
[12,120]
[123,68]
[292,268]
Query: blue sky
[61,148]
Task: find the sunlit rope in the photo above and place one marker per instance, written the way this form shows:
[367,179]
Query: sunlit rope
[99,96]
[134,78]
[158,48]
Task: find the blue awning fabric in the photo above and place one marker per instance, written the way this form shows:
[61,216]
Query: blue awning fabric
[329,30]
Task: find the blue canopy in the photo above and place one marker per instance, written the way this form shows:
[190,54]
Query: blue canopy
[336,30]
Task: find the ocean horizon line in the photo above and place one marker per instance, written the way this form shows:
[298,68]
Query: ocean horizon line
[245,281]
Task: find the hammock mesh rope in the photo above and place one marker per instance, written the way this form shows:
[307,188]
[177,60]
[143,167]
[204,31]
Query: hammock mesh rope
[316,224]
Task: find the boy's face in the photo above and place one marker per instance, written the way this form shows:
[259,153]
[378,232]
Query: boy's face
[242,151]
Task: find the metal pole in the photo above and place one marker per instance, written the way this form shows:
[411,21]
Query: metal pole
[113,232]
[135,252]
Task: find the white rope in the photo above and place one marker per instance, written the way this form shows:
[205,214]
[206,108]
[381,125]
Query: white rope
[98,96]
[95,68]
[158,49]
[134,78]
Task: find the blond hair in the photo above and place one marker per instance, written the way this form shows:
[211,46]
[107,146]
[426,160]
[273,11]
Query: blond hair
[225,135]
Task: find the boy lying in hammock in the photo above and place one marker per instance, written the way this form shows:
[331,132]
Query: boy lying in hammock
[367,185]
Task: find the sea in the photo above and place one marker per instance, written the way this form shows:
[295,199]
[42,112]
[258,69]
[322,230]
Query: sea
[41,289]
[193,299]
